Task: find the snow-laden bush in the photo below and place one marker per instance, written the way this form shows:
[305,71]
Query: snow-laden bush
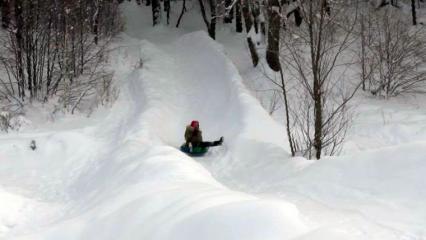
[4,121]
[86,94]
[10,122]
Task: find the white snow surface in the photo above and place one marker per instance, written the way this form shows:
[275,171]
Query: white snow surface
[120,174]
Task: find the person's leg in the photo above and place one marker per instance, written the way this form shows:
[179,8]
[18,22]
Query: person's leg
[212,144]
[218,142]
[205,144]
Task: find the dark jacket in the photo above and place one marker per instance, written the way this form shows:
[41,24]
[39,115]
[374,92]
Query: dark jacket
[193,136]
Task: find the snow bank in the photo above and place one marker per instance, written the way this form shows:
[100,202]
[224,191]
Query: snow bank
[9,212]
[370,195]
[386,186]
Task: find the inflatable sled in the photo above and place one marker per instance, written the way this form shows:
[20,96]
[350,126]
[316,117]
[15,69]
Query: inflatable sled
[194,151]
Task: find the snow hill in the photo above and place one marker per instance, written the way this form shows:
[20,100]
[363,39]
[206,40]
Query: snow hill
[135,181]
[120,175]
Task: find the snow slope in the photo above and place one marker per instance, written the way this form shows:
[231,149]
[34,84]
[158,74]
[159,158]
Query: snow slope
[126,176]
[121,176]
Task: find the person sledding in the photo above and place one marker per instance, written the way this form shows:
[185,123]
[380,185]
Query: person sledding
[194,143]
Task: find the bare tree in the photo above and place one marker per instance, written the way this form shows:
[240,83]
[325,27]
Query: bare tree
[55,48]
[312,56]
[395,54]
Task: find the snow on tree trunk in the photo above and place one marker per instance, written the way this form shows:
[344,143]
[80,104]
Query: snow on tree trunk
[250,32]
[229,8]
[156,12]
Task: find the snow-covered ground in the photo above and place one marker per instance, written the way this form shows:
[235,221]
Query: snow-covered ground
[119,174]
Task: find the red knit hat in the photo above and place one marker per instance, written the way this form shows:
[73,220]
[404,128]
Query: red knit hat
[195,123]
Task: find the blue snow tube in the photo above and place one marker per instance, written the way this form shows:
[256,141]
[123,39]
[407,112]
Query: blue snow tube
[195,151]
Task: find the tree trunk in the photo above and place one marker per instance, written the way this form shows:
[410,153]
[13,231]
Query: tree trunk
[181,13]
[256,13]
[229,11]
[363,55]
[206,21]
[19,47]
[212,27]
[261,17]
[156,12]
[318,118]
[249,25]
[272,52]
[326,7]
[316,38]
[298,17]
[238,19]
[287,115]
[5,13]
[167,10]
[315,45]
[96,23]
[413,12]
[246,14]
